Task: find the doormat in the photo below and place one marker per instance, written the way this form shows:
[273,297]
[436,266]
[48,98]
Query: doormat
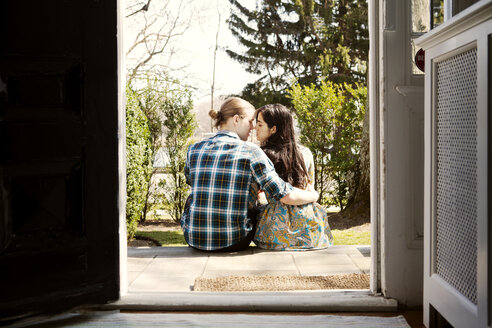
[281,283]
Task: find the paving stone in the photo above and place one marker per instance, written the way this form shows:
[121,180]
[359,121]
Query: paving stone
[320,270]
[138,264]
[321,259]
[161,283]
[164,251]
[259,261]
[132,275]
[363,263]
[222,273]
[164,269]
[177,266]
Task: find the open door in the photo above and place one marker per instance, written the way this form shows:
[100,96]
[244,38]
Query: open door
[396,90]
[59,103]
[457,170]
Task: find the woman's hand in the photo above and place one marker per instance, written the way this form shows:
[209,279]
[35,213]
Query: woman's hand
[262,198]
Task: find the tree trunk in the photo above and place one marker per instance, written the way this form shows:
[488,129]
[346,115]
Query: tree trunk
[143,218]
[358,205]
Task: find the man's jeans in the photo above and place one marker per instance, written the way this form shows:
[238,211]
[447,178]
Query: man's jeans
[243,243]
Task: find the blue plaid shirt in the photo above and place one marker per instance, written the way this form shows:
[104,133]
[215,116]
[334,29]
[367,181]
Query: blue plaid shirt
[220,171]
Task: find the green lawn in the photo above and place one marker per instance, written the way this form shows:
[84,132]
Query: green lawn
[175,238]
[351,237]
[164,238]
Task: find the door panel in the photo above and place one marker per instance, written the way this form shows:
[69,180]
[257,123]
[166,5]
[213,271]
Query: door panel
[58,155]
[457,169]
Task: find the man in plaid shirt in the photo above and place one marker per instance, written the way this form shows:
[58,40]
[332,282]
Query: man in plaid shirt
[219,215]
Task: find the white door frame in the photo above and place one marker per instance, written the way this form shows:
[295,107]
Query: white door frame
[375,150]
[396,109]
[374,141]
[123,254]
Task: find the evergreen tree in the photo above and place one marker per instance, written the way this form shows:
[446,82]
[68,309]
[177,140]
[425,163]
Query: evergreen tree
[306,41]
[138,161]
[303,43]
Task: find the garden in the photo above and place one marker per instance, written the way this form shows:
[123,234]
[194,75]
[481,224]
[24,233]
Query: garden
[309,56]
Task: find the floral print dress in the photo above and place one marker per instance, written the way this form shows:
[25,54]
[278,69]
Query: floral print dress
[290,227]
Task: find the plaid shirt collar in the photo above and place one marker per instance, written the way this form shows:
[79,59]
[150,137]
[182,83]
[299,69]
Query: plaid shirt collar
[227,133]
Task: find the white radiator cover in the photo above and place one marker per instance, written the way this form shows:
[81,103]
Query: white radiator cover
[456,172]
[458,105]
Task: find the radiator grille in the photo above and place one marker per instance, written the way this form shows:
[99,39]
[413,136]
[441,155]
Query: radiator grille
[456,185]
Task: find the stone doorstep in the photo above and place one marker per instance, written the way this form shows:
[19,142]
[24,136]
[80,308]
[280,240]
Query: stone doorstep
[295,301]
[147,266]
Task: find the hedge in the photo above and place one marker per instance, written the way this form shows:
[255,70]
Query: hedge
[138,161]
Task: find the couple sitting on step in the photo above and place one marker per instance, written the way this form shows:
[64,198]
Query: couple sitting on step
[229,176]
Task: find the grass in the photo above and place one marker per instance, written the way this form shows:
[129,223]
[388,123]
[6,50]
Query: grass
[351,237]
[175,238]
[164,238]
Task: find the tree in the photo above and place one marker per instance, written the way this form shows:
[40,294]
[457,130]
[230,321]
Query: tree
[138,161]
[341,29]
[358,203]
[302,41]
[212,88]
[330,119]
[155,27]
[180,124]
[152,98]
[260,93]
[168,108]
[315,121]
[275,47]
[306,42]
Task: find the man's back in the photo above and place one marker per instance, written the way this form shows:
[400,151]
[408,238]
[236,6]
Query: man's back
[220,171]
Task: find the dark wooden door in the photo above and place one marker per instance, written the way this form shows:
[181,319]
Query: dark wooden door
[58,155]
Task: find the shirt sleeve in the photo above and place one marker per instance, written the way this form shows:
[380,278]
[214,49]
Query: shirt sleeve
[253,194]
[309,162]
[264,174]
[187,167]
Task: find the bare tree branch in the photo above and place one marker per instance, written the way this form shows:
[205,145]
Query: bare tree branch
[158,27]
[144,8]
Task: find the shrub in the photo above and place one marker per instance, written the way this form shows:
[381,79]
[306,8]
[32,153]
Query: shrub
[138,161]
[180,124]
[330,119]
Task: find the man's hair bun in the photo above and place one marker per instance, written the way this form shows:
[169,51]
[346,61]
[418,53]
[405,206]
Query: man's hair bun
[214,114]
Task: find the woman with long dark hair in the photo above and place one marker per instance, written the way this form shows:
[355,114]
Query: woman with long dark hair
[282,226]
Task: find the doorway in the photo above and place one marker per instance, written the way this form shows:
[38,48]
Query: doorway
[396,104]
[357,258]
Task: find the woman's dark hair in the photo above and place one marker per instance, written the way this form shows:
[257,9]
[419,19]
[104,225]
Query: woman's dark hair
[281,146]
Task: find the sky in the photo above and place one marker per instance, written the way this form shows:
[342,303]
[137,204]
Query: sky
[194,50]
[197,50]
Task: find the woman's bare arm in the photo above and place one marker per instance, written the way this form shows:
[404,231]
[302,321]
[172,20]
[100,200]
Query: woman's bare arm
[300,197]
